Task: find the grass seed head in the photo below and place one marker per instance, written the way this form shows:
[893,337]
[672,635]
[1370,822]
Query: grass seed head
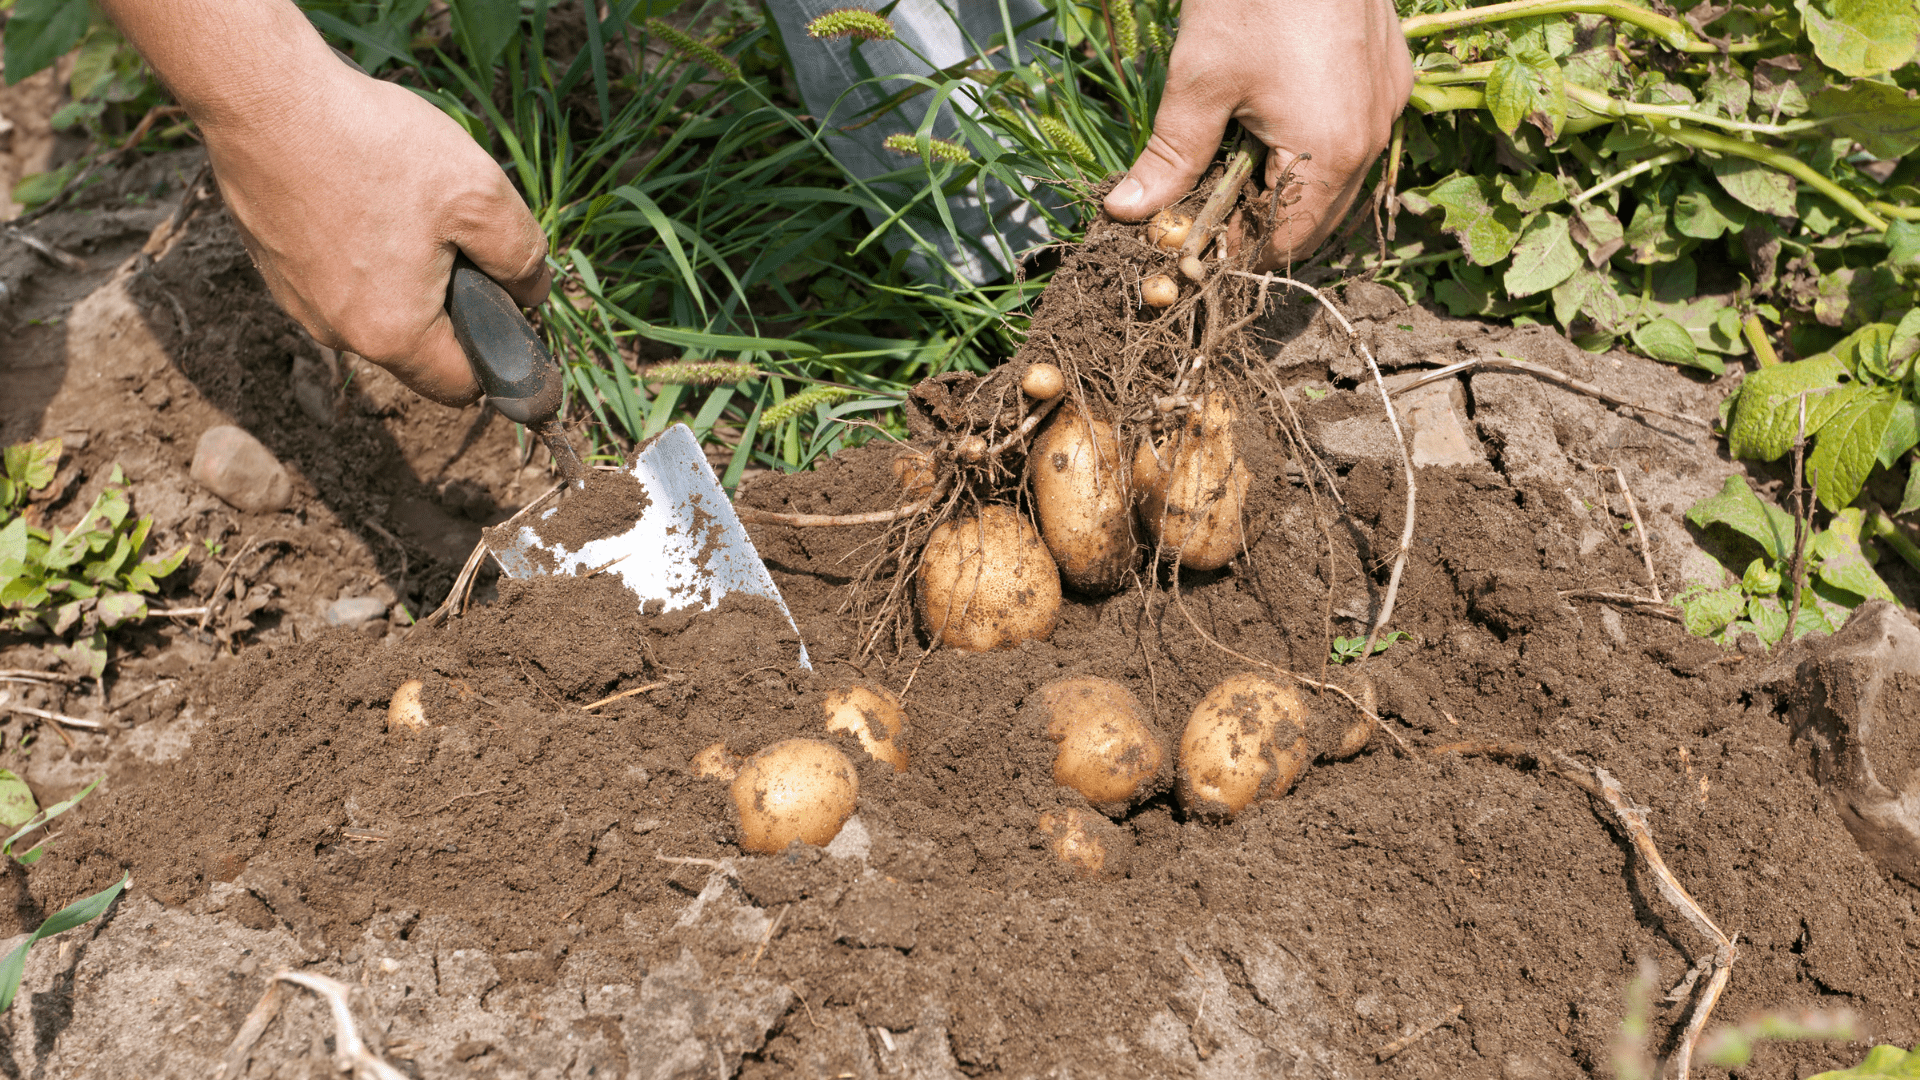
[856,23]
[694,49]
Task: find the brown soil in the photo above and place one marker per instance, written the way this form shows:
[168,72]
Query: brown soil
[1381,894]
[606,505]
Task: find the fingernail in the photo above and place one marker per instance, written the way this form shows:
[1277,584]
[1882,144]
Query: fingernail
[1129,192]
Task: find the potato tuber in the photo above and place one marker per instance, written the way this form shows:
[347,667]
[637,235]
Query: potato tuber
[1193,487]
[987,582]
[800,789]
[1109,751]
[1081,497]
[873,715]
[1246,741]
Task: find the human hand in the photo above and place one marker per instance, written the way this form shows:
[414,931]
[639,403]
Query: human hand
[1319,77]
[353,200]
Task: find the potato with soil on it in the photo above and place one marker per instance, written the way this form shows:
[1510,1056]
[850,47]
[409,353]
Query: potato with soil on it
[871,714]
[1109,751]
[1087,843]
[987,582]
[1169,229]
[913,470]
[799,789]
[1159,291]
[715,762]
[1193,486]
[1043,382]
[1081,496]
[1246,741]
[406,711]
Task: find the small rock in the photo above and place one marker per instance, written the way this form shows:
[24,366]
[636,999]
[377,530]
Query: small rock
[1855,706]
[313,389]
[235,466]
[355,610]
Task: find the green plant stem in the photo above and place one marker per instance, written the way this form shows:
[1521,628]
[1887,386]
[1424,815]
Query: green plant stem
[1885,528]
[1778,160]
[1756,335]
[1668,157]
[1672,32]
[1602,105]
[1904,213]
[1451,98]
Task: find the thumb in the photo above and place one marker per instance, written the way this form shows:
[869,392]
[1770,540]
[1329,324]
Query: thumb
[1186,133]
[437,367]
[506,243]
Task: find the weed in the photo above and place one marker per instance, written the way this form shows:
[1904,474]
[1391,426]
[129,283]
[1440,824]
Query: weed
[1352,648]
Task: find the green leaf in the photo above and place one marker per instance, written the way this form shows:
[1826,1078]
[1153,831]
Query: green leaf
[38,32]
[16,801]
[1861,37]
[1884,119]
[1903,249]
[1868,353]
[1760,580]
[1849,442]
[78,913]
[1474,211]
[1598,231]
[1532,191]
[1706,215]
[43,817]
[1769,618]
[1739,509]
[485,27]
[1543,257]
[1668,341]
[1758,186]
[33,464]
[1910,500]
[1767,415]
[1881,1063]
[1854,297]
[116,608]
[1528,86]
[1707,611]
[1903,432]
[1648,238]
[1591,294]
[1842,564]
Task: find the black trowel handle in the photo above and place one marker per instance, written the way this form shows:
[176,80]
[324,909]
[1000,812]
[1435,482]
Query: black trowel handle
[519,376]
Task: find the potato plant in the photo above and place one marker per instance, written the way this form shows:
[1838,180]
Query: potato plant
[74,583]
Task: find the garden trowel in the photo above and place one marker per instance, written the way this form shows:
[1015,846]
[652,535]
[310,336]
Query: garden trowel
[686,550]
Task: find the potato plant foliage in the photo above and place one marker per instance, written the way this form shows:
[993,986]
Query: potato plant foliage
[74,583]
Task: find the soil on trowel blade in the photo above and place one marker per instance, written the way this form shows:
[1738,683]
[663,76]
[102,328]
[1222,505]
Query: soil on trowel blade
[1383,893]
[608,504]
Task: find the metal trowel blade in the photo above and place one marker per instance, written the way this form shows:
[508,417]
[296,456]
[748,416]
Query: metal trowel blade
[688,550]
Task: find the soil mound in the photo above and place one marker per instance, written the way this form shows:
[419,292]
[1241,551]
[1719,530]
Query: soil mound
[1382,893]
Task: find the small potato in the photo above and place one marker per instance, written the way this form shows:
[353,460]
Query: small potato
[800,789]
[406,710]
[1043,382]
[1082,841]
[1169,229]
[1246,741]
[1193,269]
[1081,497]
[987,582]
[1159,291]
[873,715]
[913,471]
[716,762]
[971,449]
[1193,487]
[1354,739]
[1109,752]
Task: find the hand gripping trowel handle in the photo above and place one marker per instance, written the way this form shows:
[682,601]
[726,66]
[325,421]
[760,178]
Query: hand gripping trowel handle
[517,373]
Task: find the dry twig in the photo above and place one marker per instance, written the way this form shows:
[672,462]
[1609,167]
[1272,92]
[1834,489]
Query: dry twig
[350,1054]
[456,600]
[58,718]
[626,694]
[1640,531]
[1633,819]
[1645,605]
[1541,371]
[1418,1033]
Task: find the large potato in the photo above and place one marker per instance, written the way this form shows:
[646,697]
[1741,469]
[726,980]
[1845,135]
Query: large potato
[987,582]
[1080,495]
[1109,752]
[1193,487]
[873,715]
[1246,741]
[800,789]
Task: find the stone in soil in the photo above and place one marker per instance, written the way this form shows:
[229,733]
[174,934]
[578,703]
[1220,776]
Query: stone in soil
[351,611]
[240,469]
